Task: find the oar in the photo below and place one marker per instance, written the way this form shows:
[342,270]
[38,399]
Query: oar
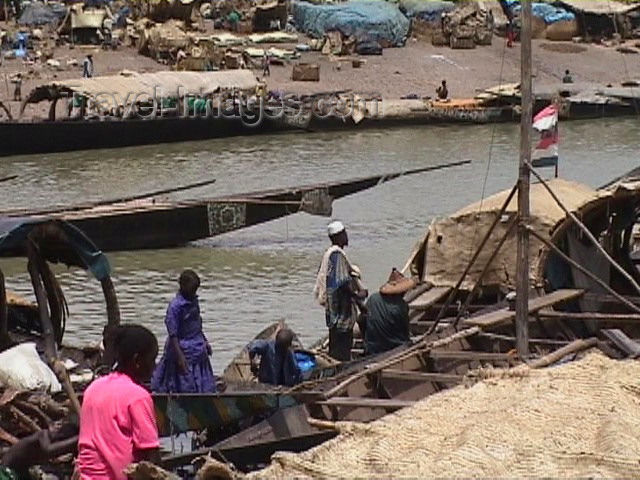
[131,198]
[9,178]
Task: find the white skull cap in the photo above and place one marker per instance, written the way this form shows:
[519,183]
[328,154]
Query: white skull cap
[335,228]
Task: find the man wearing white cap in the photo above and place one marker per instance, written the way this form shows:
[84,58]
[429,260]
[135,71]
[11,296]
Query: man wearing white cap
[337,291]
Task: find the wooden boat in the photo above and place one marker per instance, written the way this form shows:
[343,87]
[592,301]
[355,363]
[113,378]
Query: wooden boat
[108,118]
[144,223]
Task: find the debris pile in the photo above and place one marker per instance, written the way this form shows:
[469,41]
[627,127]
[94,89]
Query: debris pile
[576,420]
[466,26]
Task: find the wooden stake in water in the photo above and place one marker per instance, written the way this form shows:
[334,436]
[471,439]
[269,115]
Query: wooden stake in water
[522,267]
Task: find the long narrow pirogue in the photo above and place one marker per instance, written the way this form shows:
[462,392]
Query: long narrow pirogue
[145,223]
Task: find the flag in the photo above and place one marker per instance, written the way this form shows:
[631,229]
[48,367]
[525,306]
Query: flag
[546,152]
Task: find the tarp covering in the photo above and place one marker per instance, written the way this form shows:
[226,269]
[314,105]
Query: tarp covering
[451,242]
[58,241]
[377,21]
[443,254]
[37,13]
[430,11]
[545,11]
[140,88]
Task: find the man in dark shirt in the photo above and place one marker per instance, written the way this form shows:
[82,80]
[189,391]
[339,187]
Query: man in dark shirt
[386,324]
[277,361]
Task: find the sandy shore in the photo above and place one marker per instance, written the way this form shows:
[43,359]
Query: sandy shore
[417,68]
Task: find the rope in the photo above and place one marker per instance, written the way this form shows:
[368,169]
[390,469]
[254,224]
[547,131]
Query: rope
[493,136]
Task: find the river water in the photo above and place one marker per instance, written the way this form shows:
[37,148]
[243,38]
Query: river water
[254,277]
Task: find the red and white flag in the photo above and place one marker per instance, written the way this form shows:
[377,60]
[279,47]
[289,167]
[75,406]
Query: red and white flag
[546,152]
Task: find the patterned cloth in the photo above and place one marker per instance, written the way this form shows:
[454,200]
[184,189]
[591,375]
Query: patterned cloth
[183,321]
[341,311]
[275,369]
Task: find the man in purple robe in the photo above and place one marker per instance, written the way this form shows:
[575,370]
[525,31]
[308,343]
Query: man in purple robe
[184,366]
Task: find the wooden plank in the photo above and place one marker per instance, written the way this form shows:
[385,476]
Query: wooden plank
[421,376]
[467,355]
[354,402]
[503,316]
[624,343]
[429,298]
[602,317]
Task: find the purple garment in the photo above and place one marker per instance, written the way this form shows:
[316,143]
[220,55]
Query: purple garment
[183,321]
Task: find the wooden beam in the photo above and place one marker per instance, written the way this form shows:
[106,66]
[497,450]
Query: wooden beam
[470,355]
[421,376]
[582,316]
[553,357]
[622,342]
[353,402]
[500,317]
[429,298]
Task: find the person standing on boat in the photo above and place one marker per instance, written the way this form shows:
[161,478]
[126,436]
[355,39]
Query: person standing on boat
[117,421]
[185,366]
[386,324]
[277,361]
[339,292]
[87,66]
[442,91]
[567,77]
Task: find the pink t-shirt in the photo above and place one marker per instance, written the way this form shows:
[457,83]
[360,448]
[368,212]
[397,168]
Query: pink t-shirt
[117,419]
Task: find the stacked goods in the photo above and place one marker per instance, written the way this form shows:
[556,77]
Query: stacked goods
[306,72]
[467,26]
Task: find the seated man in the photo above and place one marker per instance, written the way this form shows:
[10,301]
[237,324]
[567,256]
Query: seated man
[386,324]
[277,361]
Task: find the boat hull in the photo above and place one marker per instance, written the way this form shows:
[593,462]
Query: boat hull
[63,136]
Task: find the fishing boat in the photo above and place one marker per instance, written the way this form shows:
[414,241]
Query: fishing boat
[143,222]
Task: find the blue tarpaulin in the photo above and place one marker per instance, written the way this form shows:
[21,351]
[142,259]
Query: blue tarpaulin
[431,11]
[546,12]
[58,241]
[367,21]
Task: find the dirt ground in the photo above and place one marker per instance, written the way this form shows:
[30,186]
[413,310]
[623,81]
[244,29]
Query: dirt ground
[418,68]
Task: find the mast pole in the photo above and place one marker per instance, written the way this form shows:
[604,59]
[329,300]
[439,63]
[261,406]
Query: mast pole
[522,266]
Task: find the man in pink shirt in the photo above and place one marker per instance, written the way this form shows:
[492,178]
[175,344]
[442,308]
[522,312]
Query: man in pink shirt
[117,423]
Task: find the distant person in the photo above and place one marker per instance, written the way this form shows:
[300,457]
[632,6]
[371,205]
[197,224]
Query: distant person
[567,77]
[87,66]
[266,65]
[38,448]
[338,292]
[442,92]
[17,87]
[277,360]
[185,366]
[386,324]
[117,421]
[511,33]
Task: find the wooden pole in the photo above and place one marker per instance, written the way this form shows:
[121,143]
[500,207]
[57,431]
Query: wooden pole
[475,256]
[589,274]
[574,347]
[522,266]
[587,232]
[5,340]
